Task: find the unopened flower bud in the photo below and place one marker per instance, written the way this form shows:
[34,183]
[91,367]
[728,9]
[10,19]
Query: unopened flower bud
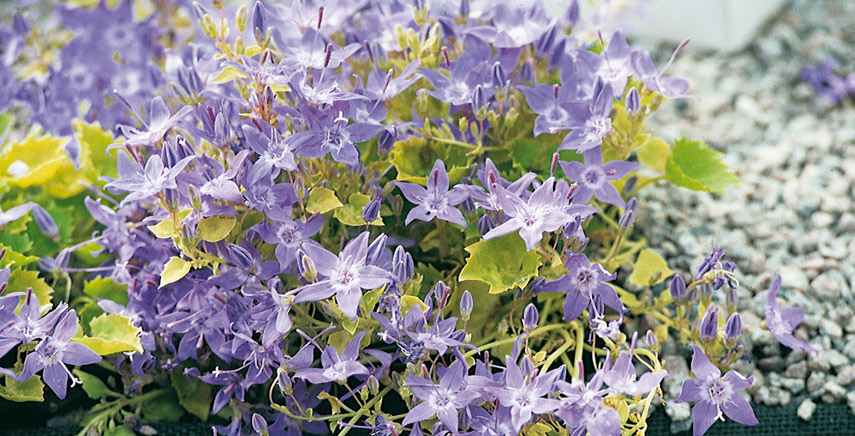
[678,289]
[479,99]
[375,249]
[572,14]
[464,8]
[651,339]
[530,317]
[284,382]
[500,80]
[629,214]
[259,21]
[240,256]
[195,197]
[546,40]
[259,424]
[45,222]
[629,186]
[209,26]
[709,324]
[526,74]
[240,18]
[373,384]
[371,210]
[733,327]
[466,305]
[485,224]
[633,102]
[387,140]
[306,267]
[705,292]
[731,300]
[402,265]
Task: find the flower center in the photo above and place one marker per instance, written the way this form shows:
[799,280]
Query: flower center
[600,126]
[593,177]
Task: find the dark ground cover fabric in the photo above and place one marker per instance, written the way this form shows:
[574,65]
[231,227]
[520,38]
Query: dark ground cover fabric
[829,419]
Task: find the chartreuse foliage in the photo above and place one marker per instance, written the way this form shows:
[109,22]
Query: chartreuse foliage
[502,263]
[695,166]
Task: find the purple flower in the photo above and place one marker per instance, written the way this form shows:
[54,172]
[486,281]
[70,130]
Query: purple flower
[709,324]
[582,408]
[54,352]
[613,65]
[344,275]
[716,396]
[160,121]
[144,182]
[669,87]
[332,135]
[554,105]
[824,81]
[336,367]
[29,325]
[545,211]
[442,400]
[584,283]
[592,123]
[523,393]
[594,178]
[621,377]
[783,320]
[437,201]
[43,219]
[289,236]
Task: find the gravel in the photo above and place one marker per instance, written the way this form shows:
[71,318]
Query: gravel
[793,214]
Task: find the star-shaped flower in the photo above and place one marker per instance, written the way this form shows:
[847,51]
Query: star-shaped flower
[716,396]
[437,201]
[443,400]
[783,320]
[594,178]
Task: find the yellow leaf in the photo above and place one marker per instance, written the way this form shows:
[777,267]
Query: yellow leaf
[408,301]
[227,75]
[654,153]
[213,229]
[34,161]
[174,270]
[322,200]
[164,229]
[112,333]
[649,269]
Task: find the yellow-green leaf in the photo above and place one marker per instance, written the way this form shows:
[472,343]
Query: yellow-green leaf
[31,389]
[322,200]
[93,386]
[649,269]
[34,161]
[20,280]
[695,166]
[174,270]
[213,229]
[503,263]
[654,153]
[164,229]
[227,75]
[112,333]
[408,301]
[105,287]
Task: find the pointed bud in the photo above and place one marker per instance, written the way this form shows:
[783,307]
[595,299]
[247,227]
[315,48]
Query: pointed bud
[709,325]
[633,102]
[284,382]
[466,305]
[387,140]
[45,222]
[259,424]
[651,339]
[371,210]
[375,249]
[373,384]
[733,328]
[259,21]
[731,300]
[464,8]
[629,214]
[479,98]
[530,317]
[705,292]
[240,18]
[500,80]
[629,186]
[526,74]
[485,224]
[678,288]
[402,265]
[572,14]
[306,267]
[240,256]
[546,40]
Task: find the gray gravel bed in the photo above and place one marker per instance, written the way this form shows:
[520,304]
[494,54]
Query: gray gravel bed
[792,215]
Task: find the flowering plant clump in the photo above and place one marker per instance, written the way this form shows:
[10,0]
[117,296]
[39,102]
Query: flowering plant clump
[407,218]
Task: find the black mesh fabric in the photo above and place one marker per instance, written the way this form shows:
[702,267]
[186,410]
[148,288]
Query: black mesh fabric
[828,420]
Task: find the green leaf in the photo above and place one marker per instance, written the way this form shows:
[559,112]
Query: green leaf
[322,200]
[351,214]
[162,408]
[213,229]
[20,280]
[106,288]
[112,333]
[414,158]
[409,301]
[93,386]
[15,258]
[649,269]
[654,153]
[174,270]
[503,263]
[96,140]
[164,229]
[194,395]
[695,166]
[31,389]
